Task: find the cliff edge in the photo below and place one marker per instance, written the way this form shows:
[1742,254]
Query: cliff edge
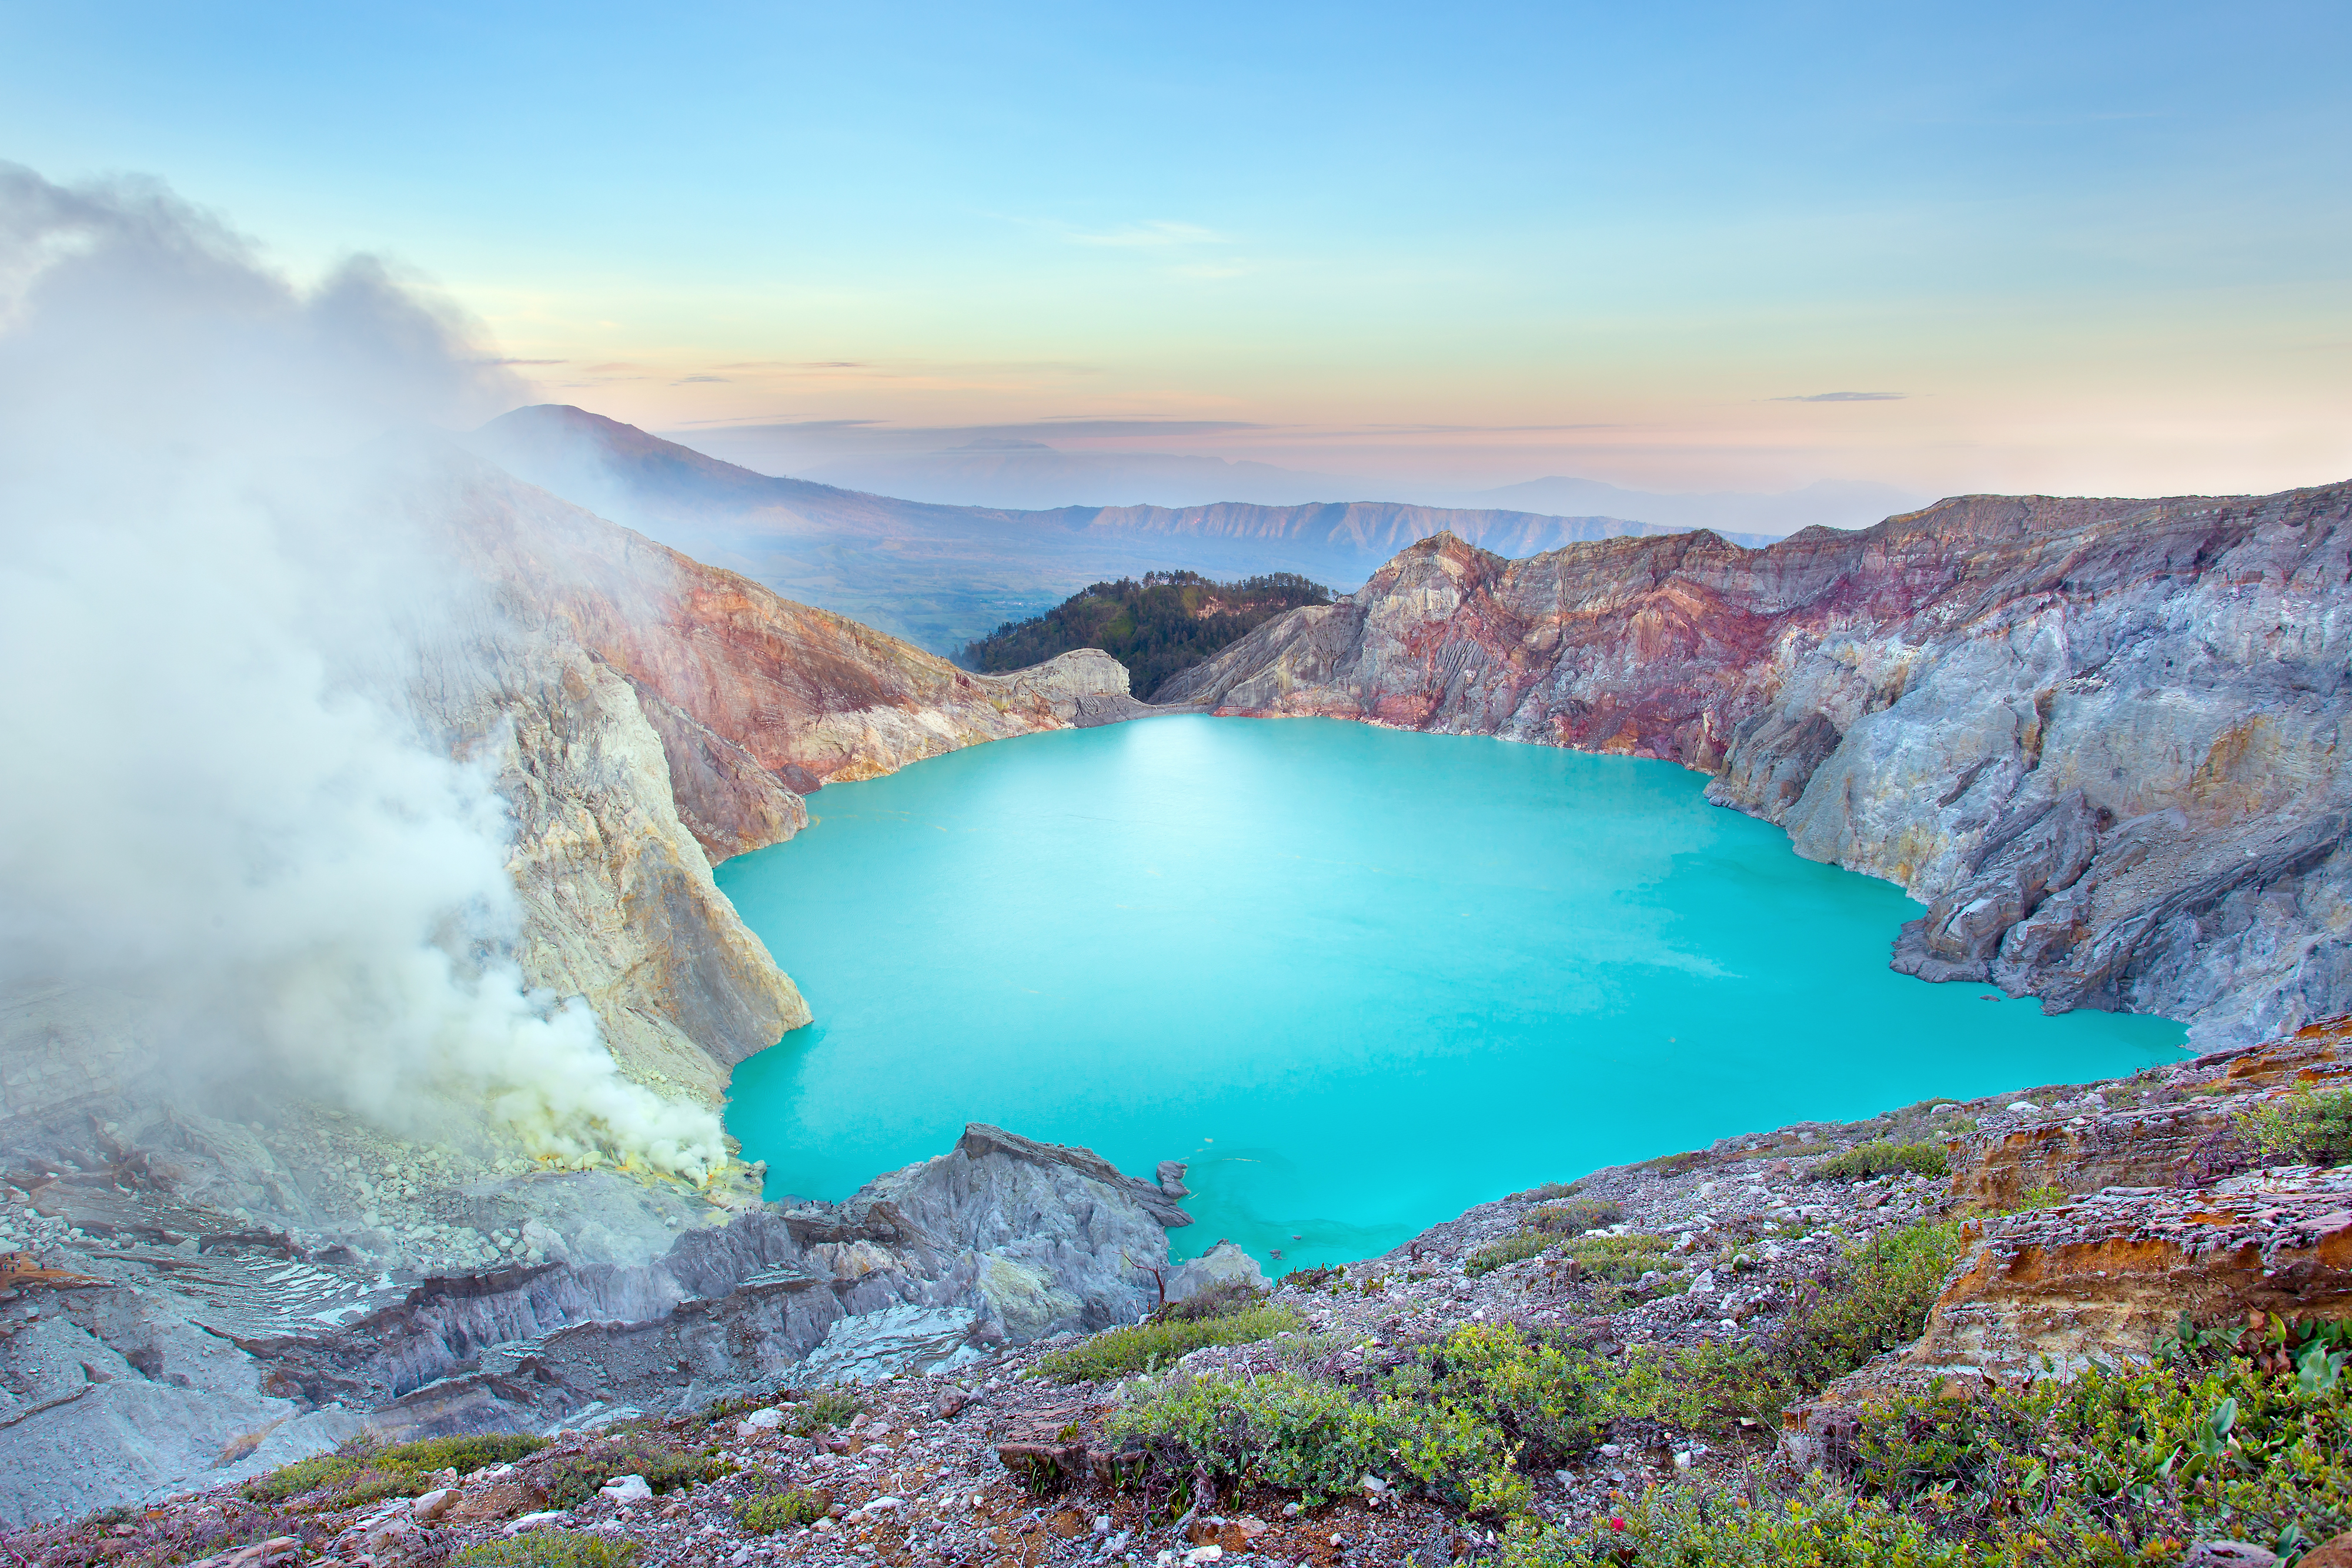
[2101,738]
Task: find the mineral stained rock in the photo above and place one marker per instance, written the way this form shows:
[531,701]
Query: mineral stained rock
[2101,738]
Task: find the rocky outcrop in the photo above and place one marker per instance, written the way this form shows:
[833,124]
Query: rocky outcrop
[2104,1277]
[2101,738]
[2185,1136]
[232,1350]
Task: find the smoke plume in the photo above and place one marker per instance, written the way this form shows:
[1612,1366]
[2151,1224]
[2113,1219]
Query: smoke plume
[224,826]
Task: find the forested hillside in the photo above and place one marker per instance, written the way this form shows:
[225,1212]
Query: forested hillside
[1169,622]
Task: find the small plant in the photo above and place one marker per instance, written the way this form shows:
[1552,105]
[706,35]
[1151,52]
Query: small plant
[1575,1218]
[1512,1248]
[787,1509]
[2308,1127]
[575,1478]
[1617,1258]
[361,1472]
[1116,1352]
[1882,1156]
[1315,1279]
[301,1477]
[550,1548]
[1552,1189]
[2049,1195]
[831,1406]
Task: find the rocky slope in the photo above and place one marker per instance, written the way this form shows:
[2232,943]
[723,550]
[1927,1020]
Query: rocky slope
[2101,738]
[2139,1201]
[199,1346]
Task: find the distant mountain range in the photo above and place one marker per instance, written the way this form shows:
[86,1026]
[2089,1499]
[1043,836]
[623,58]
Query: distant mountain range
[1001,468]
[939,575]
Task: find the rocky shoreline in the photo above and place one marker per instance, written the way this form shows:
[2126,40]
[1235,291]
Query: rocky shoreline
[2099,738]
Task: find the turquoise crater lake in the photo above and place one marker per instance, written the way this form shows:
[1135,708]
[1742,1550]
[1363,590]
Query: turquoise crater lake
[1360,979]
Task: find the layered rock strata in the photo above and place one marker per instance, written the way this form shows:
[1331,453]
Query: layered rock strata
[2101,738]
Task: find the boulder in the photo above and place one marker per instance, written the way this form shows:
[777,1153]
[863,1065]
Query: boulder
[1220,1266]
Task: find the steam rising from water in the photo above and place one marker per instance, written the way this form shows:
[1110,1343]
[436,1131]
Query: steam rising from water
[221,812]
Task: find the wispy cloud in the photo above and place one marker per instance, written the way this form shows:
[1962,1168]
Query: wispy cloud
[687,381]
[522,362]
[1156,231]
[1840,397]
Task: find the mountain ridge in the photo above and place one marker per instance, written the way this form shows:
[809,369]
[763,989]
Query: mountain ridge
[939,575]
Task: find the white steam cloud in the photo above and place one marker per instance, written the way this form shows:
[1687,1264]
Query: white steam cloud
[222,819]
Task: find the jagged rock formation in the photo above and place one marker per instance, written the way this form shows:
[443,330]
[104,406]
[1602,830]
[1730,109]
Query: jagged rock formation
[2101,738]
[159,1379]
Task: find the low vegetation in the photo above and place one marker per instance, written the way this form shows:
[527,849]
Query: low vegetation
[1882,1156]
[362,1471]
[1118,1352]
[786,1510]
[1468,1417]
[1168,623]
[550,1548]
[574,1478]
[2309,1127]
[1576,1216]
[2248,1437]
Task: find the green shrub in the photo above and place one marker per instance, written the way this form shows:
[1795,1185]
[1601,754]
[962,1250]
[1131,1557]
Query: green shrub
[574,1479]
[360,1472]
[1116,1353]
[302,1476]
[550,1548]
[465,1455]
[1617,1258]
[831,1406]
[2309,1127]
[1285,1431]
[1465,1419]
[1690,1527]
[2141,1455]
[785,1509]
[1879,1302]
[1575,1218]
[2111,1468]
[1513,1248]
[1881,1156]
[1459,1419]
[1315,1279]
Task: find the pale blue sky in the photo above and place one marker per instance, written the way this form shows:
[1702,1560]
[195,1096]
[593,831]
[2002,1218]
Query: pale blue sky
[2094,246]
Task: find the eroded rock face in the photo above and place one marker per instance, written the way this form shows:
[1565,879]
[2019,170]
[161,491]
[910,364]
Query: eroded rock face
[2101,738]
[2104,1276]
[2188,1140]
